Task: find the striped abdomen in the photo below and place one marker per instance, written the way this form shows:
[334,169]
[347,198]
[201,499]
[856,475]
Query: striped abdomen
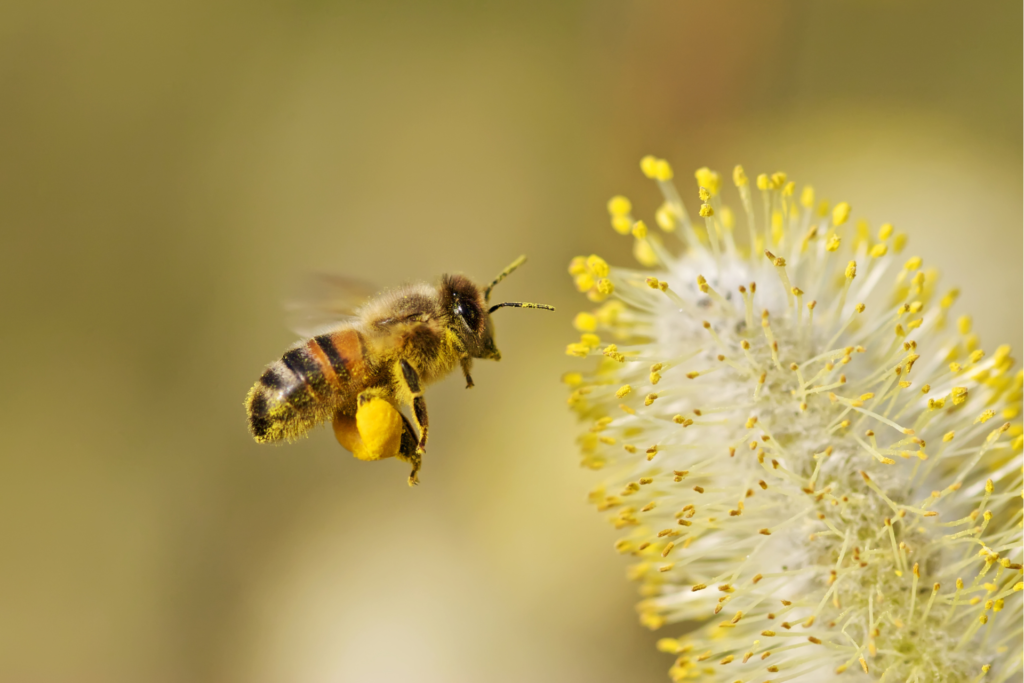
[306,386]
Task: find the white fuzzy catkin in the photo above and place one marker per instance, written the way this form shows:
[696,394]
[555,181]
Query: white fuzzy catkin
[818,473]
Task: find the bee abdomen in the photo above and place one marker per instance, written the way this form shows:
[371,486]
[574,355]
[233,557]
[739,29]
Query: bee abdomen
[302,389]
[291,396]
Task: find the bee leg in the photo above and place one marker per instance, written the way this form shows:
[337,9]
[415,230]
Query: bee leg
[467,365]
[419,404]
[407,451]
[419,411]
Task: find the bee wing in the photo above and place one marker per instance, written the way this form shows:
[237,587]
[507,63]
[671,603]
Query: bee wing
[322,301]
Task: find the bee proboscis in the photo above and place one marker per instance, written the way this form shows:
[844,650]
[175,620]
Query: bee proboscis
[363,370]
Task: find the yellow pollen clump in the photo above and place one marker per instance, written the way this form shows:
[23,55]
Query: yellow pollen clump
[639,230]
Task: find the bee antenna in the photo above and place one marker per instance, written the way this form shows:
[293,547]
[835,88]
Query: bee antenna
[519,304]
[502,275]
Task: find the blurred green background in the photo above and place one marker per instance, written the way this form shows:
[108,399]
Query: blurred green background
[166,168]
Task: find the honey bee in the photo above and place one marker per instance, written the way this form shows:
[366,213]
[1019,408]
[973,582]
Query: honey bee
[374,360]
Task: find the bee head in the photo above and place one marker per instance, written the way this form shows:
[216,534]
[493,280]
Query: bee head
[470,315]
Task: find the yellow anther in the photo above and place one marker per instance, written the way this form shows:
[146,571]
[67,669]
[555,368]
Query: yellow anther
[605,286]
[663,171]
[597,265]
[851,270]
[976,355]
[739,176]
[649,166]
[728,218]
[669,645]
[913,263]
[591,340]
[580,350]
[702,284]
[885,232]
[985,417]
[577,265]
[948,436]
[789,189]
[763,183]
[644,253]
[609,313]
[807,197]
[703,194]
[706,210]
[639,230]
[898,242]
[708,178]
[950,298]
[879,250]
[619,206]
[959,395]
[833,243]
[585,322]
[623,391]
[841,213]
[612,351]
[651,620]
[622,224]
[665,217]
[584,281]
[573,379]
[778,180]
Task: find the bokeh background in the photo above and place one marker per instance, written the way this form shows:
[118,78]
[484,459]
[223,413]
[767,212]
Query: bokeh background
[166,168]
